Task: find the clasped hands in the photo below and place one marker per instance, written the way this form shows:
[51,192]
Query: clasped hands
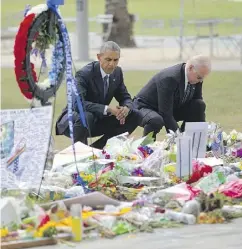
[120,112]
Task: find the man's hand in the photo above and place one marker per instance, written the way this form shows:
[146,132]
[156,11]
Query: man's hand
[122,113]
[122,121]
[113,110]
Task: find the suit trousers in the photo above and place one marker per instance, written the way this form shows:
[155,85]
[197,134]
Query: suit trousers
[106,127]
[193,111]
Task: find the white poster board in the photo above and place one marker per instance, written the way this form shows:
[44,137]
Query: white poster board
[66,156]
[184,156]
[211,161]
[198,131]
[91,200]
[24,137]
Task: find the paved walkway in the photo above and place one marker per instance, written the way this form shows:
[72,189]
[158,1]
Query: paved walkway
[154,53]
[218,236]
[141,59]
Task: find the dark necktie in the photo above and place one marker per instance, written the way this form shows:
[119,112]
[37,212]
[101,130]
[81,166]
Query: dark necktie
[188,93]
[105,82]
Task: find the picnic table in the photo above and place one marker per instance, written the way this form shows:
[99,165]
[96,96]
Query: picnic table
[211,24]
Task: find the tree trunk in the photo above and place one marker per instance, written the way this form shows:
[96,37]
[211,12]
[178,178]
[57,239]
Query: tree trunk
[123,22]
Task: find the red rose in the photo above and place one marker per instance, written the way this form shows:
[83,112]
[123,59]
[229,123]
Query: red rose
[20,55]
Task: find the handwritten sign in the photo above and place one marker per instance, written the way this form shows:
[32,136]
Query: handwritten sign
[184,156]
[198,132]
[24,137]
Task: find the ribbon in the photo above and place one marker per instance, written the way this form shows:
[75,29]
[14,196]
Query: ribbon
[70,81]
[27,8]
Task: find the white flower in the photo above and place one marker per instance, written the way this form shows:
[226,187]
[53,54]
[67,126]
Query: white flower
[38,9]
[45,84]
[225,136]
[233,134]
[229,142]
[239,136]
[36,102]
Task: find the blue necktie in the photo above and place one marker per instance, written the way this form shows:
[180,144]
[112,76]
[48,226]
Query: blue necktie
[105,81]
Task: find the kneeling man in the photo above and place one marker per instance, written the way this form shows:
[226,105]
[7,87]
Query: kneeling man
[174,94]
[98,83]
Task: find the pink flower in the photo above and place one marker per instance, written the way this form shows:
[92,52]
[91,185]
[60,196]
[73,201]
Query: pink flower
[112,165]
[107,156]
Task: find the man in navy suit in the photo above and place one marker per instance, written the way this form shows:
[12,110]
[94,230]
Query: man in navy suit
[98,82]
[174,94]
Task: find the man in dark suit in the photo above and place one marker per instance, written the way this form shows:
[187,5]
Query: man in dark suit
[98,82]
[174,94]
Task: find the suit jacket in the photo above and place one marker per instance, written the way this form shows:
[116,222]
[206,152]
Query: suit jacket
[90,87]
[164,93]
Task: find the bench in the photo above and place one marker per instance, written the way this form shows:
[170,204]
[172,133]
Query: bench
[104,19]
[211,24]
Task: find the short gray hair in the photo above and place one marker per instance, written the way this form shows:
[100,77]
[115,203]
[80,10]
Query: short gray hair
[200,61]
[109,46]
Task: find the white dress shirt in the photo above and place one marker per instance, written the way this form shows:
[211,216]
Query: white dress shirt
[103,75]
[186,79]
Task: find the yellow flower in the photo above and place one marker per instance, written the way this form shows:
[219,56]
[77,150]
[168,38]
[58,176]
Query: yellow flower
[86,215]
[113,189]
[39,232]
[61,214]
[3,232]
[134,157]
[119,158]
[64,222]
[233,134]
[240,166]
[94,157]
[86,177]
[29,229]
[170,167]
[125,210]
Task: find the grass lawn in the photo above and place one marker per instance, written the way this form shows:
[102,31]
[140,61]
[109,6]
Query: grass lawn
[152,9]
[222,93]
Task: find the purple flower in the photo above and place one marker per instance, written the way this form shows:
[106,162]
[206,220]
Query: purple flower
[239,152]
[74,178]
[138,172]
[145,150]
